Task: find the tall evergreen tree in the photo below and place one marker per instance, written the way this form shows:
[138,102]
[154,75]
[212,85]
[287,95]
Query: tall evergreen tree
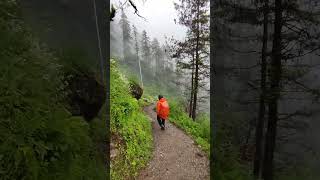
[145,45]
[157,62]
[126,35]
[145,53]
[296,35]
[135,33]
[262,109]
[298,42]
[275,78]
[194,15]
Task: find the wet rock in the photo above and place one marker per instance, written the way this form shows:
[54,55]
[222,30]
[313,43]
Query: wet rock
[135,90]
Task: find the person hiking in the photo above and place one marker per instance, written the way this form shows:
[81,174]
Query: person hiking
[162,111]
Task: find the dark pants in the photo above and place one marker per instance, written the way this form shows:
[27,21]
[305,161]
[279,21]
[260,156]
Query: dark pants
[161,121]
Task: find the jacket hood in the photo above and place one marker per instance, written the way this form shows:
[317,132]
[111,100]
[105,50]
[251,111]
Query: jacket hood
[162,100]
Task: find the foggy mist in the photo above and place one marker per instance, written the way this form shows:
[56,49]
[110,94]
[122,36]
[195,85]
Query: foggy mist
[159,20]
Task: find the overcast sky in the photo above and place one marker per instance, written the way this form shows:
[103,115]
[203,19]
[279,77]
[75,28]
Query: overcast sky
[159,14]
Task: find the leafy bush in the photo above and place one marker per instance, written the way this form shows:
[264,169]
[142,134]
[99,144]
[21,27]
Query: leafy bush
[129,122]
[39,139]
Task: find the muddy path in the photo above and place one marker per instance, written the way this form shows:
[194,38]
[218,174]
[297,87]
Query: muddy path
[175,156]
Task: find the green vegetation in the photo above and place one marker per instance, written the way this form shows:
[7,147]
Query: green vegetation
[130,128]
[199,129]
[39,139]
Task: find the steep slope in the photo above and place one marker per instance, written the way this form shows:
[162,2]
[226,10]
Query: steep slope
[131,139]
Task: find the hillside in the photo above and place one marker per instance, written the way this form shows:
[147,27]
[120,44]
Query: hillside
[131,138]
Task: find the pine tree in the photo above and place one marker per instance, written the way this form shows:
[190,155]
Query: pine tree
[157,62]
[145,46]
[146,54]
[135,33]
[299,35]
[126,36]
[275,78]
[296,31]
[194,15]
[262,109]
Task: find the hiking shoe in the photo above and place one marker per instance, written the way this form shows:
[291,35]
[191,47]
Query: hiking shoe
[162,127]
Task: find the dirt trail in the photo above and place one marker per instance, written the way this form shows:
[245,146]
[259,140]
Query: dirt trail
[175,156]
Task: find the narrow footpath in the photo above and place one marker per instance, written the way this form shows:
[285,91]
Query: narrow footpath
[175,156]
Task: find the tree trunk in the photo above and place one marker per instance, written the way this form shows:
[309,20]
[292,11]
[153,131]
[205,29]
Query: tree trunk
[275,76]
[195,93]
[140,70]
[192,80]
[137,54]
[123,41]
[196,78]
[260,121]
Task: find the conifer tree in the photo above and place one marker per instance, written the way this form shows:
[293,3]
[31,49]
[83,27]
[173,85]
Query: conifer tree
[126,35]
[194,15]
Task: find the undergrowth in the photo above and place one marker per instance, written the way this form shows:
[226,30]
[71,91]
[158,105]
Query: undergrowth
[129,122]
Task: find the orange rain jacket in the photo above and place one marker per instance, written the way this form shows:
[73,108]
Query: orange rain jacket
[163,108]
